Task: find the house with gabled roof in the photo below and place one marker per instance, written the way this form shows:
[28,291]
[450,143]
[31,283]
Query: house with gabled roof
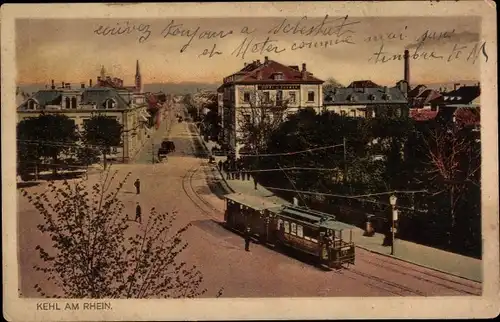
[82,103]
[267,83]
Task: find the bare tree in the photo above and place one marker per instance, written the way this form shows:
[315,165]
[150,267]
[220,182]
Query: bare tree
[95,253]
[261,115]
[453,155]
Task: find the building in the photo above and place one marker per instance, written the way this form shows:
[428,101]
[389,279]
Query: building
[364,98]
[80,104]
[366,101]
[461,105]
[262,85]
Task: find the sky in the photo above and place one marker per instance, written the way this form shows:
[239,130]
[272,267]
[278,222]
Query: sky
[347,48]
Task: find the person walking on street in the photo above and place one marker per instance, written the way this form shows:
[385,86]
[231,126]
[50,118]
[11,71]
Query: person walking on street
[255,183]
[220,165]
[247,239]
[138,213]
[137,185]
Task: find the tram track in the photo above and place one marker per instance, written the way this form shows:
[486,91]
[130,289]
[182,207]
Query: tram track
[187,185]
[381,283]
[427,277]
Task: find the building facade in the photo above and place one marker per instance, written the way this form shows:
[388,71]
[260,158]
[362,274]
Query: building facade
[367,102]
[108,97]
[262,87]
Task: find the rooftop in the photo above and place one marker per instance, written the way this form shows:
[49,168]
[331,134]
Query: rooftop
[264,73]
[370,95]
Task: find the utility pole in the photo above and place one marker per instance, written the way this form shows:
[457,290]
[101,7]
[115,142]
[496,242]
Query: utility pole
[152,153]
[345,159]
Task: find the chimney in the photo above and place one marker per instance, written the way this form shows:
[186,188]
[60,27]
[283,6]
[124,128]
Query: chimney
[90,82]
[304,71]
[266,60]
[68,86]
[53,86]
[258,62]
[304,67]
[407,67]
[455,86]
[62,84]
[386,89]
[244,64]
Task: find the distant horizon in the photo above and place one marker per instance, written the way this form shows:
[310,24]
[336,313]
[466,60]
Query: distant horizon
[220,83]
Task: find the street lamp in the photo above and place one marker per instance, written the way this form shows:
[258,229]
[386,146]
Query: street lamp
[392,201]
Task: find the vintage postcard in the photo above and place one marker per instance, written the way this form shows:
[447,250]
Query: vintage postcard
[290,160]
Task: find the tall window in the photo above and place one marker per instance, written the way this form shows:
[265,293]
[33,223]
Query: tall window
[279,95]
[246,97]
[293,97]
[67,103]
[310,96]
[73,102]
[266,98]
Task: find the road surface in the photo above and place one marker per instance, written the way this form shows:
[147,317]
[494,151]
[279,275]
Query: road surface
[184,183]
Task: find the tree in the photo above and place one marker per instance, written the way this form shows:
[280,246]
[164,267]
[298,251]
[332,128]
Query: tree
[96,254]
[261,116]
[48,135]
[453,164]
[103,132]
[330,84]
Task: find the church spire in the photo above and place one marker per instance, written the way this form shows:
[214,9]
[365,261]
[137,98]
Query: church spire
[138,78]
[103,72]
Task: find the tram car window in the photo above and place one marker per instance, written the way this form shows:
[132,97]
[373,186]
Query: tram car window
[287,227]
[300,232]
[294,228]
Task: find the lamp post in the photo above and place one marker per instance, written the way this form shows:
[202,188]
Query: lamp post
[392,201]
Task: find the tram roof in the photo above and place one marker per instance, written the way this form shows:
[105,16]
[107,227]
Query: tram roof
[336,225]
[314,217]
[257,203]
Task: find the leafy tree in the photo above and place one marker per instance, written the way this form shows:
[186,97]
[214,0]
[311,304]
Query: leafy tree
[48,135]
[103,132]
[96,253]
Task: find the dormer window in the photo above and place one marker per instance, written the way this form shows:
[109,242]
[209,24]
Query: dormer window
[351,98]
[67,103]
[31,105]
[110,104]
[278,76]
[371,97]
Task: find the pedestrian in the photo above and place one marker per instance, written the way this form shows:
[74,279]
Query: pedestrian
[247,239]
[255,183]
[138,213]
[220,165]
[137,185]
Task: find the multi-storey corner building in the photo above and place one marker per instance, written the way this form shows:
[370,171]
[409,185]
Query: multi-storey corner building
[269,84]
[108,97]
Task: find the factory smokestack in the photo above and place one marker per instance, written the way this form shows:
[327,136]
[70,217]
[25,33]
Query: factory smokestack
[407,67]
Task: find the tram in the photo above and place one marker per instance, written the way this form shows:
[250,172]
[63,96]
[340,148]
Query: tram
[305,230]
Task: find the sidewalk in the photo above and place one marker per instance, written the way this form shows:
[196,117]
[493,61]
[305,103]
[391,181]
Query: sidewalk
[143,154]
[439,260]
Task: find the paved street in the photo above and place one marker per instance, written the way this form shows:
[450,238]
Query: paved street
[185,183]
